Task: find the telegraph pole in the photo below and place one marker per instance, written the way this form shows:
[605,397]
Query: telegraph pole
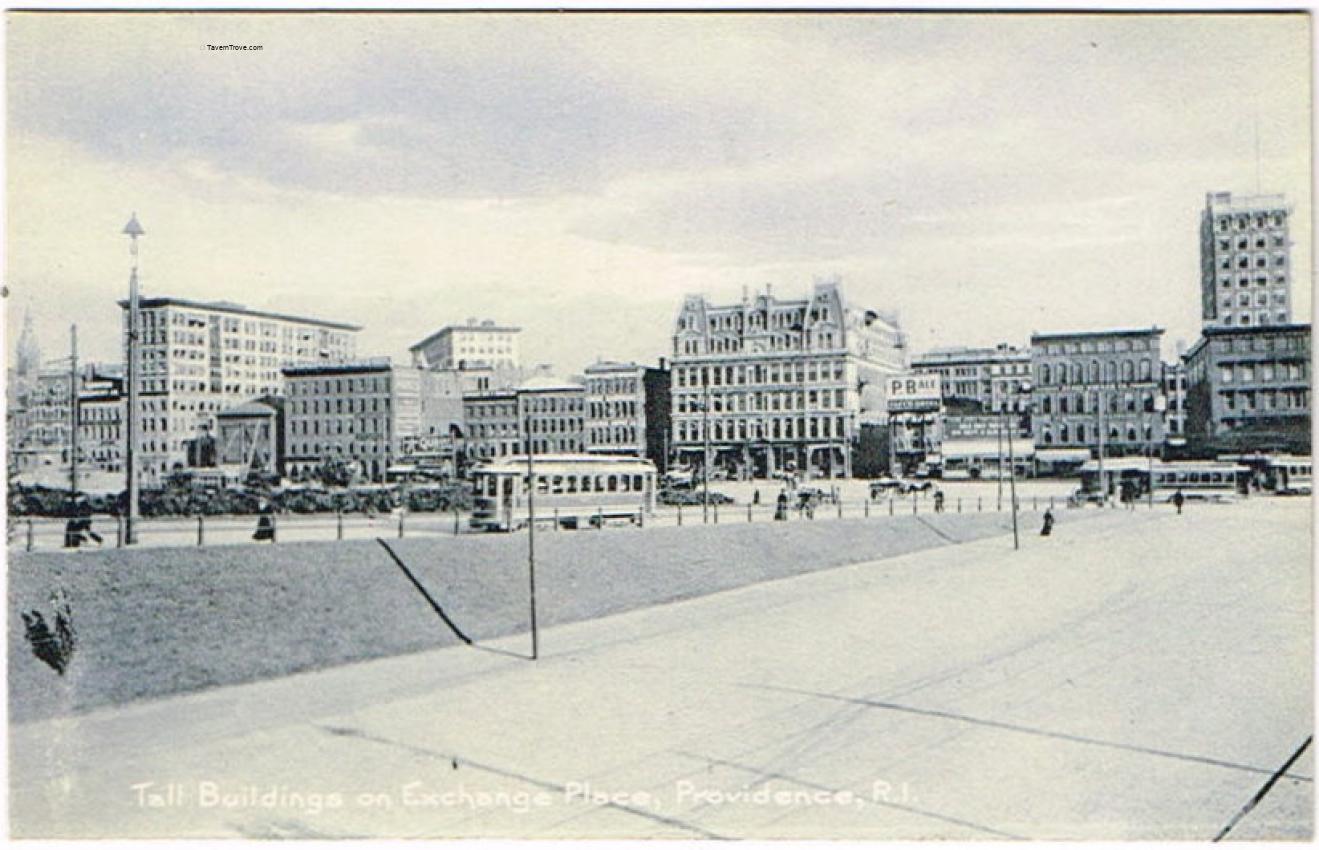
[531,540]
[133,230]
[1103,485]
[705,428]
[1000,459]
[73,411]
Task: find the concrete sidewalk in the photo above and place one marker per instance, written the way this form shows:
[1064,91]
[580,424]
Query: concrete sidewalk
[1141,676]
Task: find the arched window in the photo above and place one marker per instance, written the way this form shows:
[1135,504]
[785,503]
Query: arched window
[1131,433]
[1145,371]
[1128,371]
[1047,404]
[1062,433]
[1048,436]
[1080,433]
[1044,374]
[1094,371]
[1110,372]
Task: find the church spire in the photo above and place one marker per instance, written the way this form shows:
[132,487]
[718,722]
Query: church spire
[28,359]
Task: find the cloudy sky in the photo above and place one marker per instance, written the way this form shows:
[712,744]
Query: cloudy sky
[984,176]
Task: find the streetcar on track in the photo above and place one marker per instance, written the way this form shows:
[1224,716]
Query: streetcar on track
[572,491]
[1283,474]
[1208,480]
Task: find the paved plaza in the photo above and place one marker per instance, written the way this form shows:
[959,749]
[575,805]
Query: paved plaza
[1139,675]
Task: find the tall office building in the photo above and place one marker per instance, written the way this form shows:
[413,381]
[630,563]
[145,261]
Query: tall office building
[463,346]
[198,358]
[1245,262]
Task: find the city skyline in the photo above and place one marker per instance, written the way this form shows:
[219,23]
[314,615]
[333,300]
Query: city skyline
[406,172]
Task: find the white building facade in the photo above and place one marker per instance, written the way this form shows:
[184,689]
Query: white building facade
[769,385]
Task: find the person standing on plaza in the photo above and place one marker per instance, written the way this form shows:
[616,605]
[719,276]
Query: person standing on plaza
[1048,523]
[1178,499]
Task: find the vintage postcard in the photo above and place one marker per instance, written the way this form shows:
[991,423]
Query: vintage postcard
[660,425]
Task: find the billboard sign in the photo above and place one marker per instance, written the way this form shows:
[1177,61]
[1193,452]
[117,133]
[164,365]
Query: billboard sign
[914,392]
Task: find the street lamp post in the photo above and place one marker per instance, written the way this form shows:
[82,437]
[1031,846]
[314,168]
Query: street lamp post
[133,230]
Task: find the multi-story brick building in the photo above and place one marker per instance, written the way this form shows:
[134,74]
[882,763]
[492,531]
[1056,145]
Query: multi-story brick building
[356,412]
[1090,379]
[459,346]
[49,417]
[493,426]
[781,384]
[993,378]
[627,410]
[1248,389]
[1245,264]
[553,415]
[101,408]
[198,358]
[1174,391]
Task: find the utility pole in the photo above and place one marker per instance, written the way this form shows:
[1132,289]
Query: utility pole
[531,540]
[705,428]
[1000,459]
[73,411]
[1103,486]
[133,230]
[1012,483]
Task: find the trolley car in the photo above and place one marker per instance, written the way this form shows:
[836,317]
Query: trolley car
[571,490]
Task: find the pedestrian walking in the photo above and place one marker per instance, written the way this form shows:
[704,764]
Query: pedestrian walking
[1048,523]
[781,509]
[755,497]
[938,501]
[1178,499]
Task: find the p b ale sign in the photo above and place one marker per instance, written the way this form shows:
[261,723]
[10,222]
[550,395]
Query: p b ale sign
[914,391]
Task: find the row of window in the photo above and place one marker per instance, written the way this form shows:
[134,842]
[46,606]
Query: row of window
[788,428]
[1246,261]
[787,372]
[776,342]
[1249,372]
[352,404]
[563,484]
[623,408]
[553,404]
[1244,280]
[1265,399]
[1261,299]
[337,386]
[1241,221]
[1110,372]
[1262,240]
[1099,346]
[743,402]
[1259,319]
[1079,403]
[1080,433]
[343,425]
